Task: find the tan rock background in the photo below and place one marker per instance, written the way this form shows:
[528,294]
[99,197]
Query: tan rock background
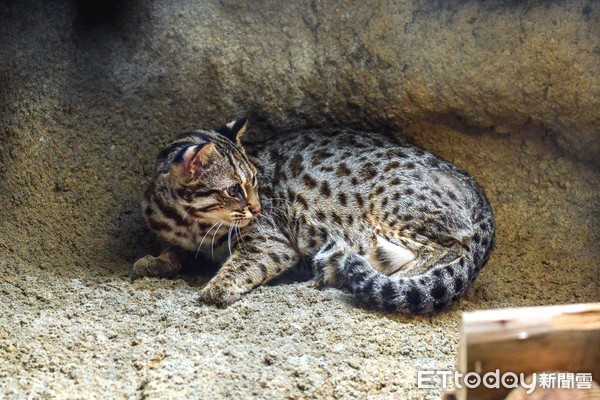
[510,91]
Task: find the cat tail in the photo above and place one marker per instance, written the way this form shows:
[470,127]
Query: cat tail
[442,285]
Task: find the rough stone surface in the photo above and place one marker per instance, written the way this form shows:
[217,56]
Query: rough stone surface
[89,96]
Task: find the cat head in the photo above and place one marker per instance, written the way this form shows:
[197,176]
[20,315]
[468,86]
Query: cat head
[210,177]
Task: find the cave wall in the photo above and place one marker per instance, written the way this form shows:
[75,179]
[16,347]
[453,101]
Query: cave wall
[89,93]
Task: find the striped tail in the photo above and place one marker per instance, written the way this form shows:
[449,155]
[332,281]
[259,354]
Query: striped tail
[442,285]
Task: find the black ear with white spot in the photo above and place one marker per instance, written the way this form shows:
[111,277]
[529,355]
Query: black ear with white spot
[234,130]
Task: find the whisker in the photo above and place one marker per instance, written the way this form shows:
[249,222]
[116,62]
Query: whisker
[236,230]
[186,213]
[240,236]
[204,237]
[259,223]
[229,239]
[212,243]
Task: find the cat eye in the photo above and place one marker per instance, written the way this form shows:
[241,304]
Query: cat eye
[233,190]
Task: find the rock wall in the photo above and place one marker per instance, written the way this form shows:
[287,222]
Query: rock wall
[90,92]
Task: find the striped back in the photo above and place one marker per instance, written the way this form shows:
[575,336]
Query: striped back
[204,179]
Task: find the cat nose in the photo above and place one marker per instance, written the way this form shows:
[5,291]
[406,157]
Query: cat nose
[255,210]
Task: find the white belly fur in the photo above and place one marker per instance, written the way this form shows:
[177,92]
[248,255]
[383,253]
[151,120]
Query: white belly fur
[396,256]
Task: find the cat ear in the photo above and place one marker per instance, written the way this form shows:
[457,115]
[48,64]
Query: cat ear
[194,158]
[234,130]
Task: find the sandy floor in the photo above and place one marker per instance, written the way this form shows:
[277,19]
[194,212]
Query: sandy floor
[75,327]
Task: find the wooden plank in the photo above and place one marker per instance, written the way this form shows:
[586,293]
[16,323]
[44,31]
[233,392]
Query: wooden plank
[528,340]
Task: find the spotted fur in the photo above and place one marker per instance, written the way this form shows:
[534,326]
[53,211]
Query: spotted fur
[401,229]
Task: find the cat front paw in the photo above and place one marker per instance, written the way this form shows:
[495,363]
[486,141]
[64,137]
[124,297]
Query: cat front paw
[220,295]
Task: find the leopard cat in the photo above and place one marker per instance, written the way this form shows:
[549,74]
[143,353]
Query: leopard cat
[401,229]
